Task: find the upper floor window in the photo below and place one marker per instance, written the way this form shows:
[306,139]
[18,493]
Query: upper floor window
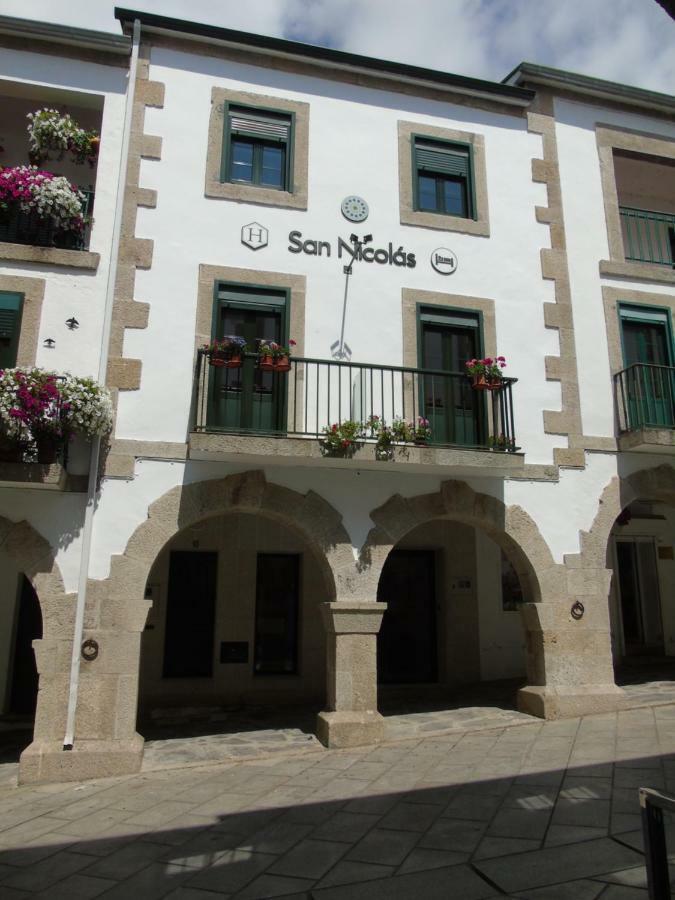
[442,177]
[11,305]
[258,145]
[258,149]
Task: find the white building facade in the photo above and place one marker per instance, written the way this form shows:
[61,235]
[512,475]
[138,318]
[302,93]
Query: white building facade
[393,223]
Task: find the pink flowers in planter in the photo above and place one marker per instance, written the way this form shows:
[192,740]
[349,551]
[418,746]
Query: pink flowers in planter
[52,197]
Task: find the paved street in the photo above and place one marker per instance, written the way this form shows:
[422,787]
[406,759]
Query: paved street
[536,810]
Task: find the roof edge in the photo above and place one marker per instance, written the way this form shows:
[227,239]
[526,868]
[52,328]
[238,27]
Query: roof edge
[101,41]
[531,73]
[150,22]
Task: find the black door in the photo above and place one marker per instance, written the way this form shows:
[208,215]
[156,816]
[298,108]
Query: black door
[23,698]
[276,613]
[406,643]
[248,399]
[638,583]
[453,409]
[190,612]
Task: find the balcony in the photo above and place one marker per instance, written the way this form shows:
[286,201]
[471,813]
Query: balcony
[18,227]
[645,403]
[247,414]
[648,237]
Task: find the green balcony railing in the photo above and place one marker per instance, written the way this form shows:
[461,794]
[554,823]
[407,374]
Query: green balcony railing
[645,397]
[648,236]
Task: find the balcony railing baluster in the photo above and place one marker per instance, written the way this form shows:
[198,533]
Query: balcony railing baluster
[442,397]
[645,397]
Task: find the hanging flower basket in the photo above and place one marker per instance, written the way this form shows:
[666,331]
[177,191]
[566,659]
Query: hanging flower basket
[486,374]
[51,134]
[226,352]
[272,357]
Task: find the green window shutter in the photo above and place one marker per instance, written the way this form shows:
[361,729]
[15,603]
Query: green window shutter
[264,125]
[10,325]
[445,160]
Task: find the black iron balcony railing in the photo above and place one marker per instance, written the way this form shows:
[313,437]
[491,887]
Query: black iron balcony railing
[316,393]
[18,227]
[645,397]
[648,236]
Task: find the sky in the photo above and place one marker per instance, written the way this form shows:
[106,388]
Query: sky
[629,41]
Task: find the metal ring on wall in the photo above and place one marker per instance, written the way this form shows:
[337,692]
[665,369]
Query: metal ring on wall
[89,650]
[577,610]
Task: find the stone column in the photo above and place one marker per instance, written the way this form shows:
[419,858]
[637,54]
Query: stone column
[105,741]
[570,667]
[352,718]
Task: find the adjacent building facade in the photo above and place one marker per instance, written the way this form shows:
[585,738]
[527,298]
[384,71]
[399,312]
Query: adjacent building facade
[393,223]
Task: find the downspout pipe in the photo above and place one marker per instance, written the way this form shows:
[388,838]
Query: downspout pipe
[85,553]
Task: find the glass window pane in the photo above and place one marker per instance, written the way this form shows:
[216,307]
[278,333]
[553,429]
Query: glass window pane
[273,163]
[454,197]
[426,192]
[242,161]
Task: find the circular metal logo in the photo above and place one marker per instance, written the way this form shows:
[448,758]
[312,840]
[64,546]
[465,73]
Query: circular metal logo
[355,209]
[444,261]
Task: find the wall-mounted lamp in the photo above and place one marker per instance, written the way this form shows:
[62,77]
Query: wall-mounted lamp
[50,343]
[72,323]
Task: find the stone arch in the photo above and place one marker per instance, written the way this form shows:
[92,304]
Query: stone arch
[657,483]
[35,557]
[248,492]
[509,526]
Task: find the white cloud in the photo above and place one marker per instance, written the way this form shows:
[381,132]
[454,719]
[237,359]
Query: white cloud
[629,41]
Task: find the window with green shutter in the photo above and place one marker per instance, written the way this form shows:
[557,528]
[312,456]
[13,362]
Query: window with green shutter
[443,177]
[257,147]
[10,325]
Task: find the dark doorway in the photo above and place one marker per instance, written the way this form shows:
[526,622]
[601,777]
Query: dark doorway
[639,597]
[23,698]
[406,643]
[190,612]
[276,613]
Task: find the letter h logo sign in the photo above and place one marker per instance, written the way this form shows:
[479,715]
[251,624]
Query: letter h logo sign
[254,235]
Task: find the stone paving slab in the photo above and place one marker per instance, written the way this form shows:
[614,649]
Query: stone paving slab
[540,811]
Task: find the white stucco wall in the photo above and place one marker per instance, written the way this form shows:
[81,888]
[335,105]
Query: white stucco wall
[353,149]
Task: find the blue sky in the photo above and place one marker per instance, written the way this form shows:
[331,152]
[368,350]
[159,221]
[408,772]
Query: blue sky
[630,41]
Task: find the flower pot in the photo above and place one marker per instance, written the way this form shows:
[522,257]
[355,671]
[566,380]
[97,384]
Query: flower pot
[266,362]
[225,360]
[494,384]
[421,442]
[282,364]
[480,383]
[47,448]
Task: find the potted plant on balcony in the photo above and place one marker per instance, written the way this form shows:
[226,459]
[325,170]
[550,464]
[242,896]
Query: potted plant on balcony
[51,134]
[501,443]
[486,373]
[273,357]
[421,432]
[30,414]
[341,438]
[86,406]
[226,352]
[384,437]
[33,201]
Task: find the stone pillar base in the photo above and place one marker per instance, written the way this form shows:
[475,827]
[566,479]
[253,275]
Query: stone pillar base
[47,761]
[568,701]
[349,728]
